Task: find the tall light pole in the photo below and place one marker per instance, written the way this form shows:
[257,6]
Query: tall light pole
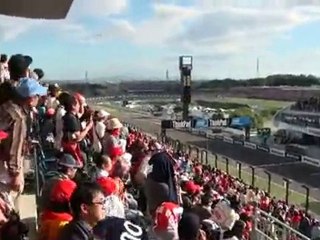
[185,66]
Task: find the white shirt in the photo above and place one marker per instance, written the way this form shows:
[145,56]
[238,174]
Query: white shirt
[52,102]
[98,134]
[4,72]
[100,173]
[59,127]
[114,207]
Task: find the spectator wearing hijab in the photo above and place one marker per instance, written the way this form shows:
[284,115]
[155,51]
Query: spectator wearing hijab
[160,184]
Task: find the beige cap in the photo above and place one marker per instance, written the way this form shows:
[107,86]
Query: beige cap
[102,114]
[114,123]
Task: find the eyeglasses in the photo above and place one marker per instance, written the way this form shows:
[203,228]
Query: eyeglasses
[102,202]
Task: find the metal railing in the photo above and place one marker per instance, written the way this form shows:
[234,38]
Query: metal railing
[265,227]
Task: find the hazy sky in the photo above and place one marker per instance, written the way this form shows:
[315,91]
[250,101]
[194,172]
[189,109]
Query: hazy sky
[143,38]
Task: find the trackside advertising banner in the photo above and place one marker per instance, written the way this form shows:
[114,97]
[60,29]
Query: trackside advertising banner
[197,123]
[200,127]
[175,124]
[293,156]
[263,148]
[238,142]
[277,152]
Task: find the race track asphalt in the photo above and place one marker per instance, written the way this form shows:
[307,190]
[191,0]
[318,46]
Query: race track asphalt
[299,173]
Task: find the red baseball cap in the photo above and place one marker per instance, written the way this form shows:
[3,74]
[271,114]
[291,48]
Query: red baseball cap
[63,190]
[192,188]
[3,135]
[167,216]
[108,185]
[51,111]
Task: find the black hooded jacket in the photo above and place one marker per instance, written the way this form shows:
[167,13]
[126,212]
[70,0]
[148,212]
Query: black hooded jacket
[163,172]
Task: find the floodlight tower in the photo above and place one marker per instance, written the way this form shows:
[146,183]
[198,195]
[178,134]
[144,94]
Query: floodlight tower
[185,65]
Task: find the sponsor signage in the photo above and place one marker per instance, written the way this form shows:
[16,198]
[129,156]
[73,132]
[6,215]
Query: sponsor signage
[239,142]
[203,132]
[293,156]
[228,139]
[211,136]
[311,161]
[194,130]
[242,122]
[313,131]
[250,145]
[200,123]
[219,137]
[175,124]
[277,152]
[263,148]
[218,122]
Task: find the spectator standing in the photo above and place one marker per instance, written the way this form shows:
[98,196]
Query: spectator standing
[72,133]
[52,99]
[111,142]
[13,120]
[18,66]
[160,184]
[39,72]
[60,112]
[99,130]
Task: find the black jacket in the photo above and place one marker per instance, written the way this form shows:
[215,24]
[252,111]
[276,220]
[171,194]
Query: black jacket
[76,230]
[113,228]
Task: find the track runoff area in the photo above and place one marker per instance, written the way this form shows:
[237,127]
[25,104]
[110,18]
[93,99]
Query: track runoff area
[297,172]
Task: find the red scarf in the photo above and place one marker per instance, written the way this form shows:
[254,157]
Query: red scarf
[50,215]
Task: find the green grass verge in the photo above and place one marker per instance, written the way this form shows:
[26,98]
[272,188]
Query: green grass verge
[277,190]
[261,103]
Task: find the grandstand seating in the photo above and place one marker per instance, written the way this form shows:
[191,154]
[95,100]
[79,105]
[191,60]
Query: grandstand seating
[244,211]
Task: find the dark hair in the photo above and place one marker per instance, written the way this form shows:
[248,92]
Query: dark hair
[83,194]
[101,159]
[3,58]
[14,228]
[62,97]
[18,65]
[39,73]
[69,102]
[206,199]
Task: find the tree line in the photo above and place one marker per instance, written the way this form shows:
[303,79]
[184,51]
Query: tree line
[272,80]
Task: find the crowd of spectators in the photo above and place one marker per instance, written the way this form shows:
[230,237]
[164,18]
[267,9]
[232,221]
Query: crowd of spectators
[110,181]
